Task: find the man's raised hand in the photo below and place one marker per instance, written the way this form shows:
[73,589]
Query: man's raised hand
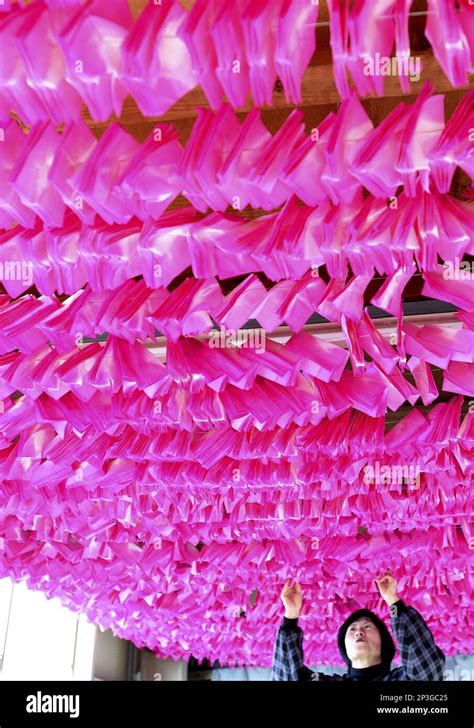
[292,599]
[387,585]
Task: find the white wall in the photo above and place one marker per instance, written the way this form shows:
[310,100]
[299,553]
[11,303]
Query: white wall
[40,639]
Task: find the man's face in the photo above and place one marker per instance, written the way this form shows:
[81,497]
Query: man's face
[363,640]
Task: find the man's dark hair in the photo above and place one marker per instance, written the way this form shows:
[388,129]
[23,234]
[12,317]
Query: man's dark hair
[387,644]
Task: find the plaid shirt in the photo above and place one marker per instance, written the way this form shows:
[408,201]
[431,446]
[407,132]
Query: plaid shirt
[421,658]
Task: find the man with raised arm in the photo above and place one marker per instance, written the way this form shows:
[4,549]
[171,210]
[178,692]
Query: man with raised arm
[364,642]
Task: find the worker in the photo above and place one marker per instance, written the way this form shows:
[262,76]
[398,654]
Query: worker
[364,642]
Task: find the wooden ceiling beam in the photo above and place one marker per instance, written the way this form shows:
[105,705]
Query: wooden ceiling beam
[318,90]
